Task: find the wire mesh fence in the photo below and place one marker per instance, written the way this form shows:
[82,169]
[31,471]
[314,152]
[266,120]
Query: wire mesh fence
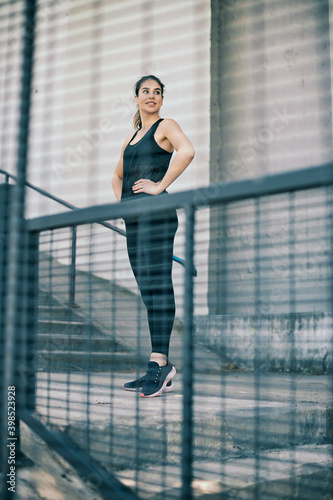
[85,353]
[269,261]
[248,413]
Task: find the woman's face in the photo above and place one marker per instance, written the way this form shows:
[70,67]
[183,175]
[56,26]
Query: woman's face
[150,97]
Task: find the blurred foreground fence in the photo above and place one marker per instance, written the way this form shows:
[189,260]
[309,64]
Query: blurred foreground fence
[250,415]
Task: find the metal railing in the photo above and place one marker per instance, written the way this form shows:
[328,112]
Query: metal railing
[71,298]
[185,448]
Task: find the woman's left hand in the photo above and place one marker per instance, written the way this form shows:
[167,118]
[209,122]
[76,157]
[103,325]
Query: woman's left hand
[146,186]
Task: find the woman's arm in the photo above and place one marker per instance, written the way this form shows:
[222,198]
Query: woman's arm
[117,178]
[185,154]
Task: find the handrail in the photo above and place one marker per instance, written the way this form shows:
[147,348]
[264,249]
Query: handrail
[73,207]
[58,200]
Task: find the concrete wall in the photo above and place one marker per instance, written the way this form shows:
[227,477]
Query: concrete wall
[11,17]
[280,343]
[271,89]
[271,112]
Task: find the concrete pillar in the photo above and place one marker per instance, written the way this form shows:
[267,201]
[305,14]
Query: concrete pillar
[271,111]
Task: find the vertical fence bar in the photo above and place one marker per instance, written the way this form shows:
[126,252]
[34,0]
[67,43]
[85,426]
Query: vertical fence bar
[5,196]
[329,409]
[29,362]
[14,329]
[292,350]
[258,339]
[72,277]
[187,433]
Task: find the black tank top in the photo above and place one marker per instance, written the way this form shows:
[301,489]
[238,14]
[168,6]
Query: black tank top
[143,160]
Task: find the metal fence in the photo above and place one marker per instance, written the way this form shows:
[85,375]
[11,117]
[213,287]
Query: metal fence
[250,415]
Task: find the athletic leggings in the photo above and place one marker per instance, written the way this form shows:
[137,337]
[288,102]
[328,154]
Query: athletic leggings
[150,251]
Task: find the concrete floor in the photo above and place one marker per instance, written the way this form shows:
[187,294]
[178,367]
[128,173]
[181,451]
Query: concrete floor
[243,428]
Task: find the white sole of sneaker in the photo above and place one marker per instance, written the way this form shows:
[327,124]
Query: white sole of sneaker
[167,389]
[131,390]
[170,375]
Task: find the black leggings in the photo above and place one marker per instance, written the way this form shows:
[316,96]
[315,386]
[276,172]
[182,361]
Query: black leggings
[150,251]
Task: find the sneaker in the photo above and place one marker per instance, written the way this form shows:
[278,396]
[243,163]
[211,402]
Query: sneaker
[137,385]
[156,379]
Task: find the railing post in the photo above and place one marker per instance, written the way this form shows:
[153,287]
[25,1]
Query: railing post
[5,197]
[72,270]
[27,368]
[13,334]
[187,433]
[329,408]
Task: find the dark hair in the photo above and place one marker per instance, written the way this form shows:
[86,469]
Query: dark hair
[137,118]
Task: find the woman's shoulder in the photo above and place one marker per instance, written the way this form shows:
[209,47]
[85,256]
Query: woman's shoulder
[169,124]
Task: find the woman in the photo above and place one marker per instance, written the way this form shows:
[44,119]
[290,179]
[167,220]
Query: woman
[144,169]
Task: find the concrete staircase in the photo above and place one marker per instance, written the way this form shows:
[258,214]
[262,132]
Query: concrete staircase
[68,342]
[106,331]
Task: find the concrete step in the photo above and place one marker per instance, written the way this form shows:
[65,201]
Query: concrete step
[301,473]
[65,361]
[47,299]
[67,328]
[58,312]
[223,428]
[214,437]
[68,342]
[128,319]
[84,343]
[60,327]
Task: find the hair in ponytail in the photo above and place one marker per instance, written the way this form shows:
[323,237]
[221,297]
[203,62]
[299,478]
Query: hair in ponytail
[137,118]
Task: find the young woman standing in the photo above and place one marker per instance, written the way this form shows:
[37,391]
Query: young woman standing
[144,169]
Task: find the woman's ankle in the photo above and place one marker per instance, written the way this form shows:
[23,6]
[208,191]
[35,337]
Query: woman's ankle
[159,358]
